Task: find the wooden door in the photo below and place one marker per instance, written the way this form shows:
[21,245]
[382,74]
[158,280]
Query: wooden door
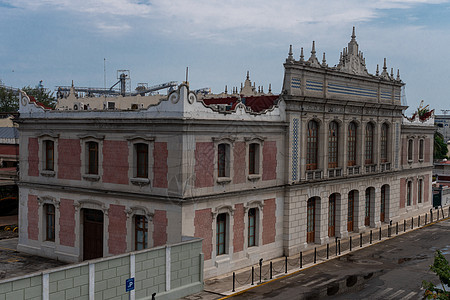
[367,209]
[332,215]
[383,203]
[311,218]
[92,234]
[350,215]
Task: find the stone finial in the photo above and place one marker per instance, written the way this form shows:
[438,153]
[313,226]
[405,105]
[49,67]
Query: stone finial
[262,89]
[302,57]
[324,61]
[398,74]
[226,89]
[248,75]
[313,50]
[270,88]
[378,70]
[72,83]
[353,34]
[290,54]
[392,72]
[259,89]
[384,65]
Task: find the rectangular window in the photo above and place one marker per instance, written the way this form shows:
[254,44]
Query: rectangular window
[408,193]
[92,155]
[420,191]
[253,158]
[141,160]
[223,160]
[49,155]
[140,232]
[369,144]
[352,144]
[221,233]
[252,227]
[49,222]
[410,150]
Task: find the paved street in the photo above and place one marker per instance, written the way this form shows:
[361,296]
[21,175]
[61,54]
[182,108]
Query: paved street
[393,269]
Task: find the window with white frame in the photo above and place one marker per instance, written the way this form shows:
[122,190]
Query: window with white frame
[223,160]
[420,190]
[410,150]
[409,193]
[253,158]
[252,227]
[221,233]
[333,145]
[49,155]
[141,160]
[49,211]
[351,144]
[369,139]
[384,143]
[140,232]
[92,158]
[312,146]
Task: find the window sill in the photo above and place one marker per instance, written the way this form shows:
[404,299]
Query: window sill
[48,173]
[254,177]
[410,161]
[140,181]
[91,177]
[223,180]
[421,160]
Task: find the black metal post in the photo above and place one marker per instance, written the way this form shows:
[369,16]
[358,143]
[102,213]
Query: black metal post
[431,215]
[260,269]
[328,251]
[234,278]
[253,275]
[315,254]
[153,296]
[412,222]
[371,236]
[350,243]
[396,228]
[335,244]
[426,217]
[285,264]
[339,245]
[438,214]
[380,234]
[404,225]
[418,222]
[360,239]
[389,230]
[270,270]
[301,259]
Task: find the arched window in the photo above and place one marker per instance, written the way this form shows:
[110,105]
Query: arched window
[384,143]
[351,143]
[369,144]
[312,145]
[333,135]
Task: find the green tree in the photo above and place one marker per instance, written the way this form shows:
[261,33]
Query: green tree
[41,95]
[440,147]
[441,267]
[9,102]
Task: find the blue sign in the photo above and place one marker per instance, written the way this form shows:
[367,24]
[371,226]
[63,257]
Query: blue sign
[130,284]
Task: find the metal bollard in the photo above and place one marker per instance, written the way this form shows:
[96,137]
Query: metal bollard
[380,234]
[418,221]
[328,251]
[260,269]
[339,245]
[153,296]
[234,278]
[412,222]
[315,254]
[404,225]
[389,230]
[301,259]
[270,270]
[438,214]
[350,244]
[396,228]
[426,216]
[285,265]
[371,236]
[253,275]
[431,215]
[360,240]
[335,244]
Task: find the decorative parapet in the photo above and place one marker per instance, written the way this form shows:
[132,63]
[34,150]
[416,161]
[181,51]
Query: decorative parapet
[415,120]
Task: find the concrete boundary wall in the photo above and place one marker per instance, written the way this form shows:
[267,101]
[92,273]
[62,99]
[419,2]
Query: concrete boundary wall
[171,272]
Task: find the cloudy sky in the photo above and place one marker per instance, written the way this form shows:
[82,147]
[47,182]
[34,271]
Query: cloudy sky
[58,41]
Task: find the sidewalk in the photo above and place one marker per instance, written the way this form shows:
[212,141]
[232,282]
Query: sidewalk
[222,286]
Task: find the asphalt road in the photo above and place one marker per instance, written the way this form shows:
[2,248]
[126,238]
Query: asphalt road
[393,269]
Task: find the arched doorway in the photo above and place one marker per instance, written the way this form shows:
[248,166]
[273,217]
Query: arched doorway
[311,220]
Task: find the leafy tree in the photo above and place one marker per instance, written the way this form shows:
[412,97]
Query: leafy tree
[41,95]
[9,102]
[441,267]
[440,147]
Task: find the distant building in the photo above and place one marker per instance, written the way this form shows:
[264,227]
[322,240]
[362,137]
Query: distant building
[255,175]
[443,126]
